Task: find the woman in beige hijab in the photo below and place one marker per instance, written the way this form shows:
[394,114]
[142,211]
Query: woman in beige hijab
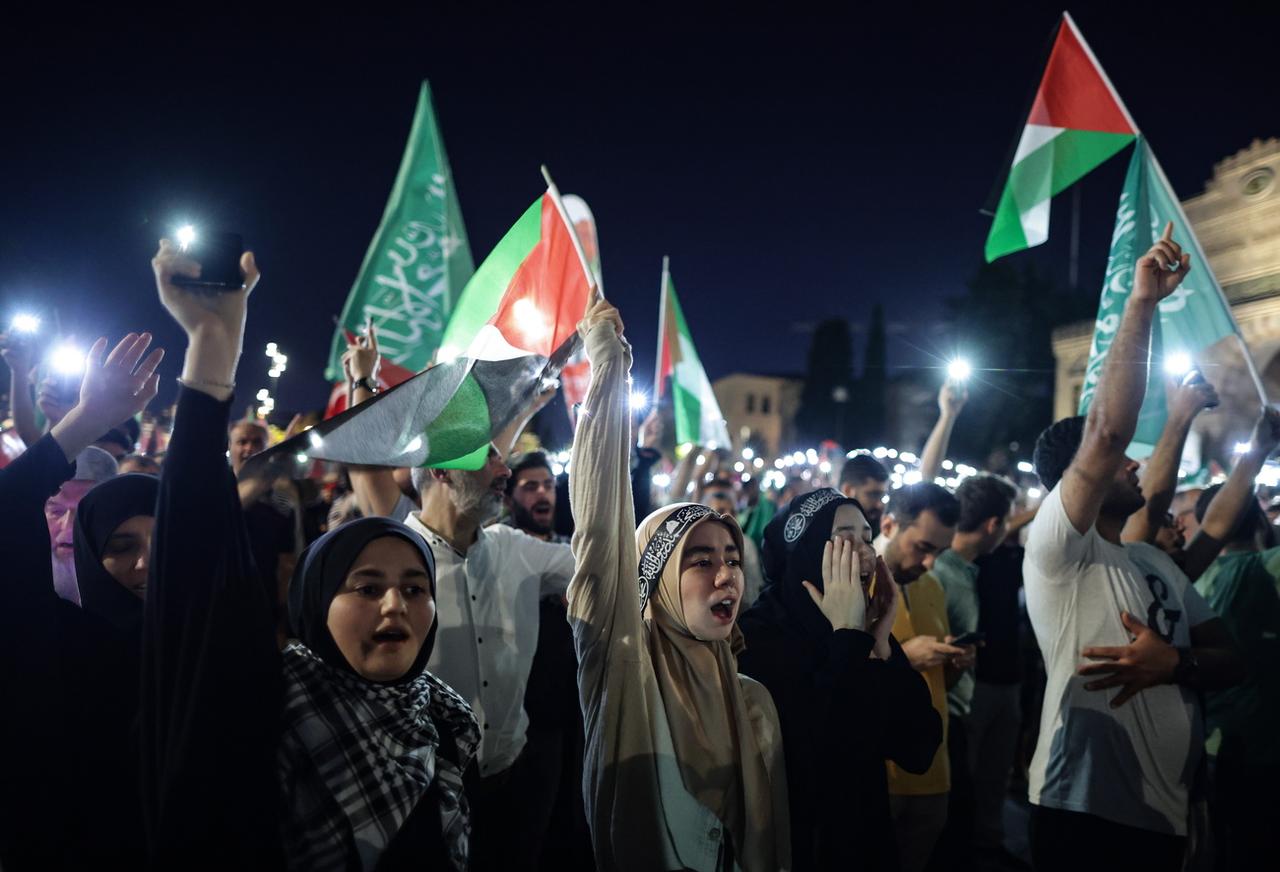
[683,762]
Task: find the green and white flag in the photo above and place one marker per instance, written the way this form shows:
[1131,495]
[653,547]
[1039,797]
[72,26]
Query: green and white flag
[1191,319]
[418,261]
[698,418]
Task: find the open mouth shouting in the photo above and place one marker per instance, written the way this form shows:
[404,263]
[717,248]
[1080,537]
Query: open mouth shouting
[725,609]
[391,636]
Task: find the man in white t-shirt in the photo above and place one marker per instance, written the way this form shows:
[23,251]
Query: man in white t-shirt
[1127,642]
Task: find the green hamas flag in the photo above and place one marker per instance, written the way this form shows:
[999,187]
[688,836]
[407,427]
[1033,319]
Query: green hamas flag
[1194,317]
[418,261]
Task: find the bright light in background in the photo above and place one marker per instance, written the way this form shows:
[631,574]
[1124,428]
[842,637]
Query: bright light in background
[880,452]
[302,458]
[746,477]
[1024,466]
[24,323]
[700,460]
[739,467]
[263,395]
[908,457]
[824,467]
[661,480]
[1178,363]
[1269,476]
[811,456]
[186,234]
[947,464]
[1033,493]
[778,463]
[317,441]
[893,453]
[1242,447]
[912,477]
[959,370]
[67,359]
[758,463]
[899,468]
[747,454]
[639,401]
[557,469]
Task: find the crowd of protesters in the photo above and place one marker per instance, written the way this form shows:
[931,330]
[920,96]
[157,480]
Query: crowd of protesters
[517,667]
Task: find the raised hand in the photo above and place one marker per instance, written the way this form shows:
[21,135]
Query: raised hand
[952,397]
[1266,432]
[111,391]
[1186,400]
[651,430]
[842,600]
[1161,269]
[882,611]
[1145,662]
[214,323]
[361,359]
[195,310]
[600,311]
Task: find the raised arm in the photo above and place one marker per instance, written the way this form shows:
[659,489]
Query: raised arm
[374,486]
[1160,478]
[16,351]
[211,671]
[951,400]
[1113,416]
[603,600]
[1225,508]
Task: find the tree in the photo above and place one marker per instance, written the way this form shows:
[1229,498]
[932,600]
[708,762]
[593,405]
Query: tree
[828,376]
[1005,325]
[866,425]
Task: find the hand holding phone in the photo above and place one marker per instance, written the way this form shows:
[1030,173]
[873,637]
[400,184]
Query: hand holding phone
[218,256]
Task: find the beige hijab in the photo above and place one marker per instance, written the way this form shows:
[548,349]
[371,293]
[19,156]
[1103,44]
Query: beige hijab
[721,759]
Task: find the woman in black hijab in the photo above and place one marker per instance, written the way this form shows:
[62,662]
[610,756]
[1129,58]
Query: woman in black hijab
[847,698]
[112,545]
[374,746]
[339,753]
[69,675]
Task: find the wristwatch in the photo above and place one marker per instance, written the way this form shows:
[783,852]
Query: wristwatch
[363,382]
[1187,668]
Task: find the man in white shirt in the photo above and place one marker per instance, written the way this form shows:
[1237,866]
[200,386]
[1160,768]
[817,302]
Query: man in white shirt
[488,584]
[1128,644]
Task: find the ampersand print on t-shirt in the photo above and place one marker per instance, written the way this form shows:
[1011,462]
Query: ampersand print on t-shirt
[1159,618]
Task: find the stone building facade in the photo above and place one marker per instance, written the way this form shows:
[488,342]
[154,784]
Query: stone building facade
[1237,220]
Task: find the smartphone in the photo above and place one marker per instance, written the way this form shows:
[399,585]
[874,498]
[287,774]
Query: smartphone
[1195,377]
[219,257]
[964,639]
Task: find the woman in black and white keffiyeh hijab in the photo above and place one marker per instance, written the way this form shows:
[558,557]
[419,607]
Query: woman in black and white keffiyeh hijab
[374,746]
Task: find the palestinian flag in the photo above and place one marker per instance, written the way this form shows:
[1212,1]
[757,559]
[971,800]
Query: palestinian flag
[1077,121]
[446,415]
[697,414]
[575,378]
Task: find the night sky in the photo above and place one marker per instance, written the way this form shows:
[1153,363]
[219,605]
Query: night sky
[795,166]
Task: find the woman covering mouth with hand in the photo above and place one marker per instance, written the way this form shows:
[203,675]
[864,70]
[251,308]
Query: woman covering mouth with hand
[683,755]
[819,638]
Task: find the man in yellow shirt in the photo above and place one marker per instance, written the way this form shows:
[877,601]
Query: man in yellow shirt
[918,526]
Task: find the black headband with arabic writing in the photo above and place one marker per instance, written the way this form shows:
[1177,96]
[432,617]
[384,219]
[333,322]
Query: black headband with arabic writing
[801,517]
[658,550]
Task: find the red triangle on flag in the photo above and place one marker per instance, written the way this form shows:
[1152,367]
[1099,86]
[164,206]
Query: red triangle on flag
[1075,93]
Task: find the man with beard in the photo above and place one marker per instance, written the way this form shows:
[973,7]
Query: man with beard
[531,494]
[489,582]
[1128,644]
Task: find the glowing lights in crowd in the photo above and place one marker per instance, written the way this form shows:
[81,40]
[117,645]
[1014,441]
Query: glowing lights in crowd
[1242,447]
[639,401]
[747,454]
[1178,363]
[959,370]
[67,359]
[1024,466]
[186,236]
[279,361]
[24,322]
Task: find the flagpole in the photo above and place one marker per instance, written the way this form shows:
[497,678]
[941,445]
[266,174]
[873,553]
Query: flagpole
[596,293]
[1199,256]
[662,323]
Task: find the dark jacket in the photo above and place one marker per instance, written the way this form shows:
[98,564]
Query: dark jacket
[842,713]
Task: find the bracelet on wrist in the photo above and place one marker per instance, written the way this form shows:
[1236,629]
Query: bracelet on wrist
[199,384]
[365,384]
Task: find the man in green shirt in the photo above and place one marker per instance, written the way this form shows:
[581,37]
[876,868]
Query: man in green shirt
[1243,587]
[986,502]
